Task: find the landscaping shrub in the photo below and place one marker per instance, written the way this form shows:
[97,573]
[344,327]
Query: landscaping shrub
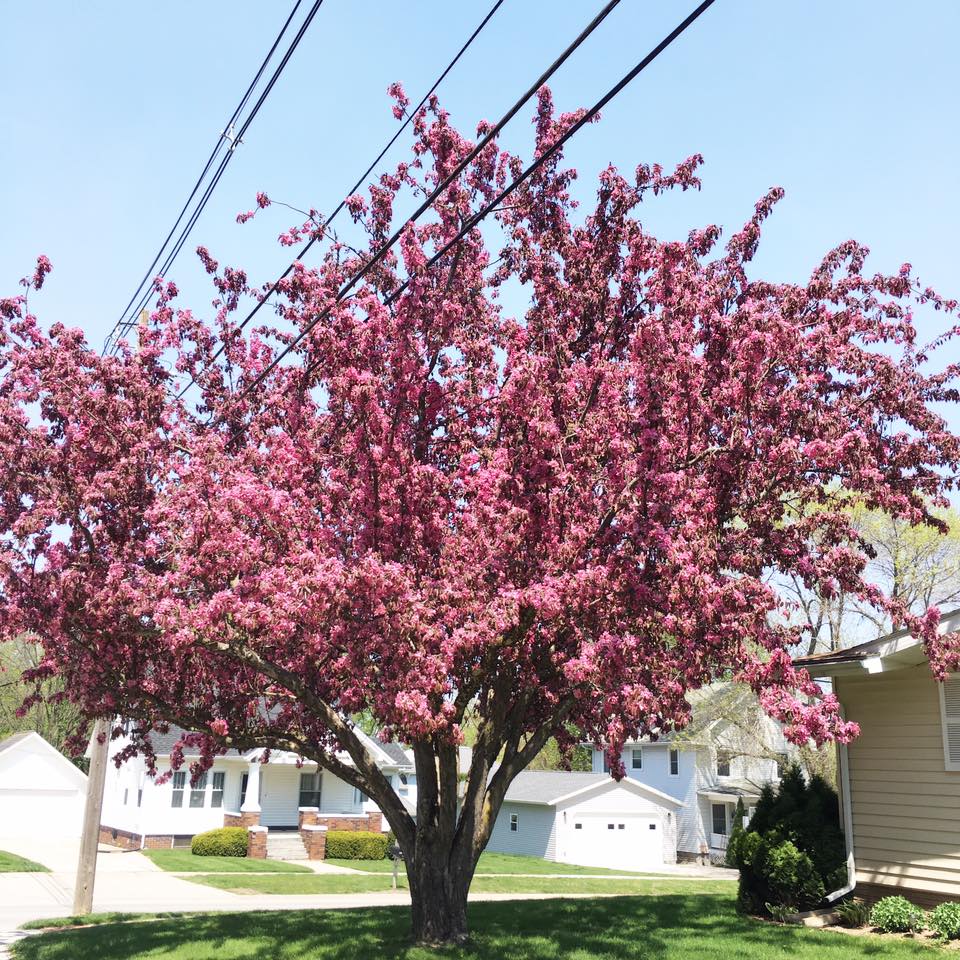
[792,851]
[223,842]
[896,915]
[944,921]
[356,845]
[853,913]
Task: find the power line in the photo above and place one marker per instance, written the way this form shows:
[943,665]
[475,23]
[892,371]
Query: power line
[359,183]
[438,190]
[475,220]
[128,318]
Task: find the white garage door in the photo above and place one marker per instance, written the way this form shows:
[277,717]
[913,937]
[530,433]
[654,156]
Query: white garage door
[57,813]
[618,841]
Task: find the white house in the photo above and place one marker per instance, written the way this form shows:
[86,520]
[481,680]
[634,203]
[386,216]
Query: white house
[282,796]
[719,761]
[588,819]
[41,791]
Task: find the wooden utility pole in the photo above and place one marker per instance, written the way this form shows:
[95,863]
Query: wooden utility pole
[90,839]
[93,808]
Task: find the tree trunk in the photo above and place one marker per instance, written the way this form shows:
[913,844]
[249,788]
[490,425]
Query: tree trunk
[438,891]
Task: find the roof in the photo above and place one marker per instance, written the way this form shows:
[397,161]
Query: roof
[163,744]
[14,740]
[890,652]
[31,737]
[396,753]
[550,787]
[731,790]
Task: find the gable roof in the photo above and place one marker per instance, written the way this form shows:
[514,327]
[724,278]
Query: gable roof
[31,738]
[891,652]
[396,754]
[550,787]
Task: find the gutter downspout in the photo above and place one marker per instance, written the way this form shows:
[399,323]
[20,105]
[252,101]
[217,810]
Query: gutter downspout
[846,822]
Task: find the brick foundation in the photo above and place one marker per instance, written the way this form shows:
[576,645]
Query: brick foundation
[315,841]
[126,840]
[872,892]
[249,818]
[257,843]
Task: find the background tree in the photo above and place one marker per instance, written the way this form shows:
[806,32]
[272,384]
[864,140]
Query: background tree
[448,515]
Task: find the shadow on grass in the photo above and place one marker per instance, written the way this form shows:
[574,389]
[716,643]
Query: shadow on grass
[648,928]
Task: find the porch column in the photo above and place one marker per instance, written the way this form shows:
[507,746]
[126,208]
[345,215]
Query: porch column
[251,797]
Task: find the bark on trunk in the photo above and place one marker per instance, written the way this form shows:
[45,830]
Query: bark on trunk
[439,902]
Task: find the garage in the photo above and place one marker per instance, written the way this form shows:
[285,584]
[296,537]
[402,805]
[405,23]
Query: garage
[587,819]
[617,841]
[41,791]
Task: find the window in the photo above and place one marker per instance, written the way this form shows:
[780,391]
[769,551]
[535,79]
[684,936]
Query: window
[636,758]
[139,796]
[514,822]
[950,721]
[723,763]
[606,763]
[359,797]
[179,781]
[403,789]
[126,796]
[198,792]
[310,789]
[609,826]
[720,818]
[783,762]
[216,798]
[674,763]
[621,826]
[578,826]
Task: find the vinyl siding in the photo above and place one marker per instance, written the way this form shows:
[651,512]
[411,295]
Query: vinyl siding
[905,805]
[536,836]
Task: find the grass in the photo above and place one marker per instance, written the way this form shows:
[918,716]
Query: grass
[641,928]
[494,863]
[381,883]
[95,919]
[183,861]
[11,863]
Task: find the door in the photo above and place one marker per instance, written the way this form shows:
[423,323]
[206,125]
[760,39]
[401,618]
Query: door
[618,841]
[279,795]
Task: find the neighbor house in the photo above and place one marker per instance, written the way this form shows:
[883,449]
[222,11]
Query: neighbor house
[41,792]
[287,804]
[728,753]
[588,819]
[900,778]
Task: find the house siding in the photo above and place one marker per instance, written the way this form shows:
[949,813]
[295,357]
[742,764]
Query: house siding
[536,836]
[905,805]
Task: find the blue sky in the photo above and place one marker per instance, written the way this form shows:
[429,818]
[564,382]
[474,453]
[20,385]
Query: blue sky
[109,110]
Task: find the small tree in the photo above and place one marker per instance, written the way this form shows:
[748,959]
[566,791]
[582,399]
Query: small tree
[442,515]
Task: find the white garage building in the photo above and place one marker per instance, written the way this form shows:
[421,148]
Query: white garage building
[41,792]
[587,819]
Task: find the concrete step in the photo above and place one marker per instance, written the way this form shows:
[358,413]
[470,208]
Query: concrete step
[285,846]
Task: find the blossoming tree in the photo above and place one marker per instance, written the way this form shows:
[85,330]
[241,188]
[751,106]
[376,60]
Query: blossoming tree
[440,514]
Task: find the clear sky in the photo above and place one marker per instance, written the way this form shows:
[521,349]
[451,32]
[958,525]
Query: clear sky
[109,110]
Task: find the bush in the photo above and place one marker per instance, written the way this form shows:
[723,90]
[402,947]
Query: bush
[792,851]
[853,913]
[896,915]
[356,845]
[945,921]
[224,842]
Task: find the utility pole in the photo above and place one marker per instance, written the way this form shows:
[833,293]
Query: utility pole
[90,839]
[93,808]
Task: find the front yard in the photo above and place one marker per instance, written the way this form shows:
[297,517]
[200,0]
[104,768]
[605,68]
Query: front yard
[183,861]
[495,863]
[11,863]
[674,927]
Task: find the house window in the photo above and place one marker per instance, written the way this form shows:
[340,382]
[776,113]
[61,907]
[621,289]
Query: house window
[310,789]
[636,758]
[179,782]
[216,797]
[514,822]
[621,826]
[950,721]
[198,792]
[782,762]
[606,763]
[402,787]
[674,763]
[126,796]
[139,796]
[720,818]
[359,797]
[723,763]
[578,826]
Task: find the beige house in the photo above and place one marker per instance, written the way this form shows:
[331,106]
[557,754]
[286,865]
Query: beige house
[900,779]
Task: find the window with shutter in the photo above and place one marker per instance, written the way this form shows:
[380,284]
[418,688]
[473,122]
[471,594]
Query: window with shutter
[950,720]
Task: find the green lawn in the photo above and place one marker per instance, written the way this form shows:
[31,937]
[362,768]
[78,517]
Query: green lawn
[642,928]
[493,863]
[381,883]
[185,862]
[11,863]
